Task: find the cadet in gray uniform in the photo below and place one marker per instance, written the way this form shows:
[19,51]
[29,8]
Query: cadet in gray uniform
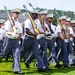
[30,42]
[50,39]
[69,43]
[73,33]
[12,40]
[61,41]
[2,35]
[42,41]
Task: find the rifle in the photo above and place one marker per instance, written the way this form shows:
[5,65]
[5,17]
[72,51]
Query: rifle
[57,18]
[65,31]
[11,21]
[33,23]
[31,5]
[40,19]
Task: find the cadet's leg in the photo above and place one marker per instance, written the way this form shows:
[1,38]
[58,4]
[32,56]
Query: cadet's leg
[30,58]
[65,54]
[74,45]
[70,53]
[8,47]
[44,50]
[26,55]
[35,49]
[26,46]
[59,44]
[16,56]
[49,56]
[0,46]
[53,53]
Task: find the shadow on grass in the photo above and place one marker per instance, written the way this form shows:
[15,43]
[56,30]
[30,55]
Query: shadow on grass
[33,71]
[11,73]
[7,71]
[60,70]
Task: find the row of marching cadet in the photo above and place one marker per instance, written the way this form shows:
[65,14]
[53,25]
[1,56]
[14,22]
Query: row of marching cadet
[37,38]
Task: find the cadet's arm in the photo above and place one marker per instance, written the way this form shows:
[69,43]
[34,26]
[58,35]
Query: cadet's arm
[20,36]
[8,32]
[60,36]
[30,33]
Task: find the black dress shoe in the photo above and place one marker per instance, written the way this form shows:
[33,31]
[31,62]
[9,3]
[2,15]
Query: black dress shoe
[72,64]
[27,65]
[1,56]
[48,69]
[66,66]
[58,66]
[0,60]
[42,70]
[16,72]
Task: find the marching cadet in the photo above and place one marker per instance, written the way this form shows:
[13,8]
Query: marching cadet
[30,42]
[3,26]
[73,33]
[2,35]
[69,43]
[50,35]
[40,22]
[61,41]
[12,40]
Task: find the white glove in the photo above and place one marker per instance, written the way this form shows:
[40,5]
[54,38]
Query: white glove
[42,35]
[39,46]
[19,42]
[38,37]
[73,44]
[53,35]
[47,32]
[16,30]
[14,35]
[71,39]
[0,38]
[55,44]
[74,35]
[50,37]
[66,40]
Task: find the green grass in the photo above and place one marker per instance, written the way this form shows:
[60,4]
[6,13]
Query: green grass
[5,69]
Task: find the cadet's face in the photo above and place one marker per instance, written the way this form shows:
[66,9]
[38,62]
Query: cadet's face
[44,16]
[50,20]
[67,22]
[73,25]
[1,25]
[63,21]
[16,15]
[34,16]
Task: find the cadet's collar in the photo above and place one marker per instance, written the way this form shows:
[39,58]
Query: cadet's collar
[14,20]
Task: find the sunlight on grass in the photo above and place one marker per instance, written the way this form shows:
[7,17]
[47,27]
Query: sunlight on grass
[5,69]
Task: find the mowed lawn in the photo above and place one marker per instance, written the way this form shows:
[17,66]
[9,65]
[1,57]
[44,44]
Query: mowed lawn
[5,69]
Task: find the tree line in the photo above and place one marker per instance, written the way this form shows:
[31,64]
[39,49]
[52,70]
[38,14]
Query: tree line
[70,14]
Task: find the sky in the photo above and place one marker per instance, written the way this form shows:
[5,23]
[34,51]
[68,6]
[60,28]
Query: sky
[67,5]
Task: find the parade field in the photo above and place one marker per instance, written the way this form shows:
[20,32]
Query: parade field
[5,69]
[37,37]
